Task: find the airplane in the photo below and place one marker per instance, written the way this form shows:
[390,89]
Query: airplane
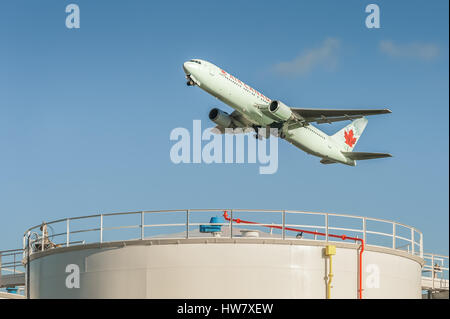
[255,111]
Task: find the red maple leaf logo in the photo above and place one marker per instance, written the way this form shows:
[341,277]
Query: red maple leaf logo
[349,139]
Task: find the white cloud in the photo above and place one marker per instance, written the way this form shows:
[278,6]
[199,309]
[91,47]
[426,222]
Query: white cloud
[422,51]
[325,55]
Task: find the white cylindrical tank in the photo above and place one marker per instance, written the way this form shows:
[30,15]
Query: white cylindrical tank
[222,268]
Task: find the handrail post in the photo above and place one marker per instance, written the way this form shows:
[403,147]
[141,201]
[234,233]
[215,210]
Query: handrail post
[231,223]
[394,235]
[28,281]
[67,232]
[42,238]
[432,271]
[101,228]
[284,225]
[413,243]
[142,225]
[421,245]
[326,226]
[187,223]
[364,229]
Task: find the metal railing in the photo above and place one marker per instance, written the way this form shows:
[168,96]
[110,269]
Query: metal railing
[12,270]
[11,262]
[435,272]
[169,224]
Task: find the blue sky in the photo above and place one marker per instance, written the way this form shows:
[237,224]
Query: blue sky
[86,114]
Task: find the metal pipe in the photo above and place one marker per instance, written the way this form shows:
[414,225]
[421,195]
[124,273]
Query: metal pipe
[330,277]
[360,268]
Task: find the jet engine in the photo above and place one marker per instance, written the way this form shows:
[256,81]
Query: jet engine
[219,117]
[280,111]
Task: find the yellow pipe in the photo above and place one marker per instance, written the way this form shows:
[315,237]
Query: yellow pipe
[330,250]
[330,278]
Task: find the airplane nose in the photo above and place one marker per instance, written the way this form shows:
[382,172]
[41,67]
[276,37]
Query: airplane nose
[187,67]
[191,67]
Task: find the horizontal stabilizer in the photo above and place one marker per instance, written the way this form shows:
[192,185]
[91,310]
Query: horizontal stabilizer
[358,156]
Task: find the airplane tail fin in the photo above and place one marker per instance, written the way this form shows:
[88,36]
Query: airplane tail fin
[349,135]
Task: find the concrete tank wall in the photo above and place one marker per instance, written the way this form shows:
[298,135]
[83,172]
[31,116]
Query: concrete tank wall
[223,268]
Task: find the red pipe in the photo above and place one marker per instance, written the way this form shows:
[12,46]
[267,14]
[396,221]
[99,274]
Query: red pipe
[343,237]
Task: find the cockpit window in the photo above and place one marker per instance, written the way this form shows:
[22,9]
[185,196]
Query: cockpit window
[195,61]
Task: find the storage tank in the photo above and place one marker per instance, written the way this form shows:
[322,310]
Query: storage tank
[231,257]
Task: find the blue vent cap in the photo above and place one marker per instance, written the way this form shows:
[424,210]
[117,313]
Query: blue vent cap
[212,228]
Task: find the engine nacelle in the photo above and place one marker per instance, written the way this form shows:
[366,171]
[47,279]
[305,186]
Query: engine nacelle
[221,118]
[280,110]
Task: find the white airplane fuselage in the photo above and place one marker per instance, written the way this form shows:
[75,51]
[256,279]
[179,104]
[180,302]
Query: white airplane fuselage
[245,100]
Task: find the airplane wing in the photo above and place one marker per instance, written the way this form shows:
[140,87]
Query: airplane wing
[238,121]
[358,156]
[329,115]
